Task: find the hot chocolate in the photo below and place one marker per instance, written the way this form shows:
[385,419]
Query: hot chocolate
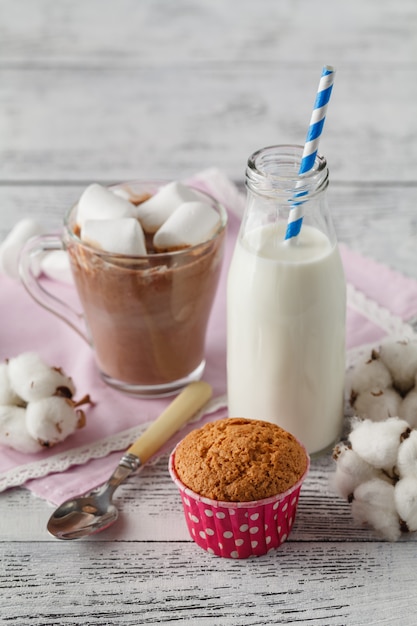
[147,315]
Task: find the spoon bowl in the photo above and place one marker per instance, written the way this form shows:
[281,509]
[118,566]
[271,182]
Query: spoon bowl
[83,515]
[76,523]
[94,511]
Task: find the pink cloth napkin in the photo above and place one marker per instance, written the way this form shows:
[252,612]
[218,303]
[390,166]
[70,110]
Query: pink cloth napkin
[381,285]
[26,326]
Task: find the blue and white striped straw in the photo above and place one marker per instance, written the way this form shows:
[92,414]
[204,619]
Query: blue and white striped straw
[295,218]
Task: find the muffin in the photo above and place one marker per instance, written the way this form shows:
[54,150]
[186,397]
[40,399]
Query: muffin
[239,480]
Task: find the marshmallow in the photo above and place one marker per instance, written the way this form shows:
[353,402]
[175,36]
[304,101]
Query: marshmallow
[118,236]
[14,242]
[51,420]
[192,223]
[13,431]
[32,379]
[99,203]
[56,265]
[121,192]
[154,212]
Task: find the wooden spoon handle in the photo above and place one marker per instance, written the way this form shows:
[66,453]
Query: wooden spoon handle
[185,405]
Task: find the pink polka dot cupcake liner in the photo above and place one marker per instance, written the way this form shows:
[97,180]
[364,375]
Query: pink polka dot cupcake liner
[238,530]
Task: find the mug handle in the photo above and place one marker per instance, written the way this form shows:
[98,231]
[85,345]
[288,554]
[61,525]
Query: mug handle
[29,260]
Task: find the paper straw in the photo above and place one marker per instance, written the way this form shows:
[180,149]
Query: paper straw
[295,218]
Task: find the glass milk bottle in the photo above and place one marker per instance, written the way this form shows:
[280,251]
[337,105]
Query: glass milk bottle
[286,304]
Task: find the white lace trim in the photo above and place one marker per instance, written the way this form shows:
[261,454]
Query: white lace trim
[382,317]
[97,450]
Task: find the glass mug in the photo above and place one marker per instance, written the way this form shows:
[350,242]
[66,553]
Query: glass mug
[145,316]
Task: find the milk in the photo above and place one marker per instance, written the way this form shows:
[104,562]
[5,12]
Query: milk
[286,333]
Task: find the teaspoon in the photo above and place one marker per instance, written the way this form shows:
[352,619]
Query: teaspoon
[94,511]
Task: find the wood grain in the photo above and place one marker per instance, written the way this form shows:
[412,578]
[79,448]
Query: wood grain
[94,90]
[131,583]
[173,123]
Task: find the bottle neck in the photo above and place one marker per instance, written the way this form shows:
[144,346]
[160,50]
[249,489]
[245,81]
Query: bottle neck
[274,189]
[273,172]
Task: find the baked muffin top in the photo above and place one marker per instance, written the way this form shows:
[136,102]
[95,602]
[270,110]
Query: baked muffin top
[239,460]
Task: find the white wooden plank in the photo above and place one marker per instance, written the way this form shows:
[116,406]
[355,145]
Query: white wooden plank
[97,90]
[131,123]
[133,583]
[102,32]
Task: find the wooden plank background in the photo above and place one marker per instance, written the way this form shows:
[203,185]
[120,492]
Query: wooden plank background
[95,90]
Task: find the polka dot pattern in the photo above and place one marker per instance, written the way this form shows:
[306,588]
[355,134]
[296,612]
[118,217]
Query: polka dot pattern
[238,530]
[238,535]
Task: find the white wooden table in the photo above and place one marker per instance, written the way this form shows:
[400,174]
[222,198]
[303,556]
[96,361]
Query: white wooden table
[95,90]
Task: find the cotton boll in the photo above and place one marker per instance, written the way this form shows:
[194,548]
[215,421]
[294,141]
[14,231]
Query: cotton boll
[14,242]
[408,408]
[50,420]
[343,484]
[351,471]
[7,395]
[99,203]
[377,493]
[378,442]
[400,357]
[368,374]
[32,379]
[13,431]
[374,504]
[406,501]
[378,405]
[407,456]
